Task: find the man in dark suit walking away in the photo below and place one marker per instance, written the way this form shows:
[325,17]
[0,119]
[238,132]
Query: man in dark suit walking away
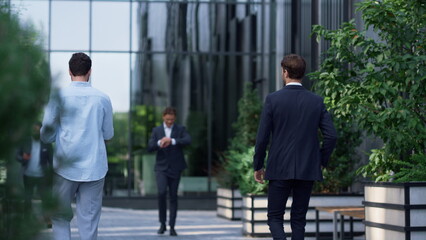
[168,140]
[292,116]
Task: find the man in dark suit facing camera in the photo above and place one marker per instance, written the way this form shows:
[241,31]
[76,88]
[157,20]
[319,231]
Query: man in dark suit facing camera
[168,140]
[292,117]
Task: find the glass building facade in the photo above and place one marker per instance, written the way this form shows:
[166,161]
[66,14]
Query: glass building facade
[194,55]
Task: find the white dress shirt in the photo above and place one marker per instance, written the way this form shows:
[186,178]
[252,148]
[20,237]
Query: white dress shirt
[168,132]
[294,83]
[33,168]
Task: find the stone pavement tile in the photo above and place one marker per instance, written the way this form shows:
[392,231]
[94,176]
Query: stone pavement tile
[127,224]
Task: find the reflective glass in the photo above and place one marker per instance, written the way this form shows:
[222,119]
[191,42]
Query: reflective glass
[70,25]
[155,24]
[111,75]
[59,69]
[136,16]
[203,32]
[111,26]
[36,14]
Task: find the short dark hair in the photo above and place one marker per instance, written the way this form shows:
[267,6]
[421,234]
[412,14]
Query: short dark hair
[295,66]
[80,64]
[169,110]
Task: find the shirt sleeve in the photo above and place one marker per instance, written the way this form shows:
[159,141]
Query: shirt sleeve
[50,121]
[107,126]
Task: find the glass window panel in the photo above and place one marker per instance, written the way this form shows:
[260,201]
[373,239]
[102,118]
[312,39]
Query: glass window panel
[111,75]
[111,26]
[70,25]
[59,69]
[203,32]
[156,25]
[36,14]
[136,16]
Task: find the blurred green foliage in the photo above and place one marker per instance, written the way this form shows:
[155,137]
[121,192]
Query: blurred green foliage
[244,168]
[25,86]
[118,146]
[378,85]
[145,118]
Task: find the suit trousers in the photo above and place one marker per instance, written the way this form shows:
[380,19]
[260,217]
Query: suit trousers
[278,193]
[88,196]
[164,182]
[31,183]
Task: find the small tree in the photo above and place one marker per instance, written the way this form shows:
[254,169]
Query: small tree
[249,110]
[379,84]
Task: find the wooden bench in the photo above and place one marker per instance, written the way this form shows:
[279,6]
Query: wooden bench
[359,213]
[350,211]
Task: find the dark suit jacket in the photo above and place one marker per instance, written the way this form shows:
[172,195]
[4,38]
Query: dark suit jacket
[293,116]
[170,158]
[46,154]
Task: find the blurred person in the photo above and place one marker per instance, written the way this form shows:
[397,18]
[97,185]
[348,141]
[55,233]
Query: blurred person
[292,117]
[80,121]
[168,140]
[36,158]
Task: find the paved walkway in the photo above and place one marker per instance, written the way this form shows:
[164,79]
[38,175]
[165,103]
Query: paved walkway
[126,224]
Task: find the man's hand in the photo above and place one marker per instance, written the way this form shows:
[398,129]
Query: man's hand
[259,175]
[165,142]
[26,156]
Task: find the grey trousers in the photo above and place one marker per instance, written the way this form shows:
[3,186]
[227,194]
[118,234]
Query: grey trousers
[88,196]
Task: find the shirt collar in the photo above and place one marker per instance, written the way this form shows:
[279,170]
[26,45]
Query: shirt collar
[80,84]
[294,84]
[165,126]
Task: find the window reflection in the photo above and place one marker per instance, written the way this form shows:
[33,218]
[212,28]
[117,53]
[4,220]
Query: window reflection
[59,69]
[70,25]
[111,75]
[36,14]
[111,26]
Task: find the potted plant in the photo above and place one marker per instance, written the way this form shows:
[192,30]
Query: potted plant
[377,84]
[255,202]
[229,198]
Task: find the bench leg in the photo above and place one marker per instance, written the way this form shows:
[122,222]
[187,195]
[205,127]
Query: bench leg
[317,229]
[335,226]
[342,227]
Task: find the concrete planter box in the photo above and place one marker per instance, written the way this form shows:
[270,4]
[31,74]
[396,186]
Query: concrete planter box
[395,211]
[255,214]
[229,202]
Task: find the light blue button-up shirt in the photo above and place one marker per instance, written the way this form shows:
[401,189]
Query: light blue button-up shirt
[79,120]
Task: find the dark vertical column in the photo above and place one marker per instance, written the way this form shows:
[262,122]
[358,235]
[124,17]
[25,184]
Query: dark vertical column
[49,37]
[90,26]
[210,104]
[295,26]
[130,138]
[407,202]
[314,43]
[272,44]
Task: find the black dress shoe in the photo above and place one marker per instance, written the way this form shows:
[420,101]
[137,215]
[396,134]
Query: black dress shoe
[173,232]
[162,229]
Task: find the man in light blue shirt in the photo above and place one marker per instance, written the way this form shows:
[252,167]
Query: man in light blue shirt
[79,120]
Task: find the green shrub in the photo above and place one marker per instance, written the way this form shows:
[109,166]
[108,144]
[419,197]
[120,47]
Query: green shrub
[378,85]
[244,167]
[249,110]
